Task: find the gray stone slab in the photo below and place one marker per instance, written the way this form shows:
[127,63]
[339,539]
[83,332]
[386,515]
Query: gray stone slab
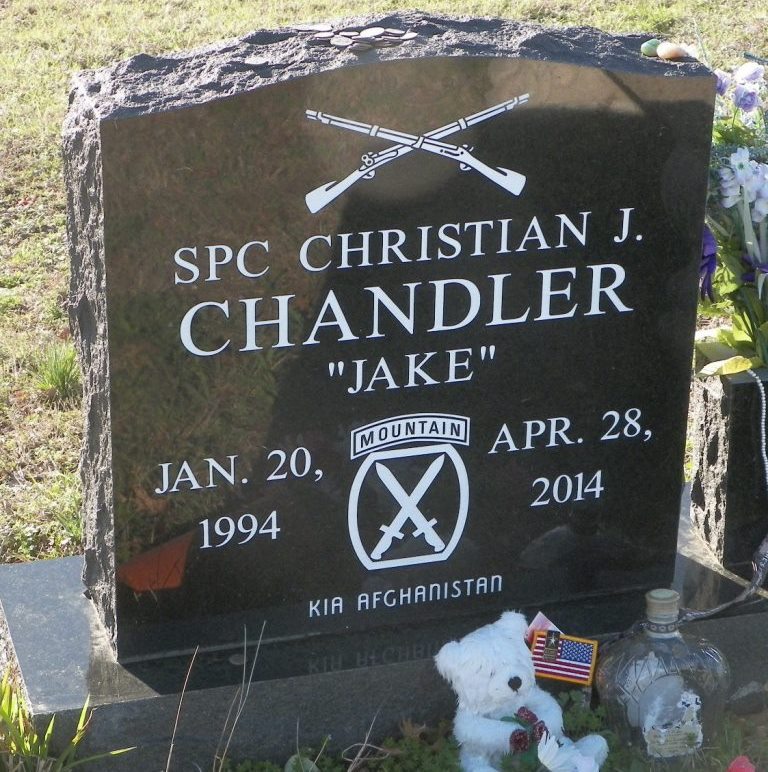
[60,649]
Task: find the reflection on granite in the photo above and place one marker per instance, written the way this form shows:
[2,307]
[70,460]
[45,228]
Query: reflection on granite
[700,579]
[63,653]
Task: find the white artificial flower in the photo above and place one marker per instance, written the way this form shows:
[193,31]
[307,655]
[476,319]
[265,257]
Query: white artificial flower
[730,189]
[740,164]
[752,182]
[750,72]
[760,210]
[563,758]
[762,191]
[552,756]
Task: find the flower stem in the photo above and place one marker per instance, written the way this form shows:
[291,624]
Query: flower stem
[750,240]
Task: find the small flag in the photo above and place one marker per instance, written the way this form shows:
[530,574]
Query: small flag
[539,622]
[563,657]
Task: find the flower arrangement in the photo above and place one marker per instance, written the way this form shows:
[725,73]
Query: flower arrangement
[739,111]
[737,221]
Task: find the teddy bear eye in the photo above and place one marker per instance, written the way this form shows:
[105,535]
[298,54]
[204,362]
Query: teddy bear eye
[514,683]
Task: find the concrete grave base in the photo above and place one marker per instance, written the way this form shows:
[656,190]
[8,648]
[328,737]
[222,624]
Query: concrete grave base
[57,646]
[53,640]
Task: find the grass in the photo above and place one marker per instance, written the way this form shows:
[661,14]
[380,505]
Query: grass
[40,428]
[22,749]
[57,374]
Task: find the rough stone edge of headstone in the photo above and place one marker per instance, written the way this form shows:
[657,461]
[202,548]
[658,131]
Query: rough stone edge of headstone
[145,84]
[712,400]
[9,661]
[81,150]
[709,415]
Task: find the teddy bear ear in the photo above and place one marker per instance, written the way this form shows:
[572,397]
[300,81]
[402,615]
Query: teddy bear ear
[448,660]
[512,624]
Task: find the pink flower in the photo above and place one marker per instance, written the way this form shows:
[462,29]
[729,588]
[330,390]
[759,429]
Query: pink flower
[527,715]
[741,764]
[519,741]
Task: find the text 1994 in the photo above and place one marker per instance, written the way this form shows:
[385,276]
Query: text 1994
[237,531]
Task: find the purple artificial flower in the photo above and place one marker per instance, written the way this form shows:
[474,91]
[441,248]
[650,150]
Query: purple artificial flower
[755,267]
[723,81]
[746,98]
[708,263]
[751,72]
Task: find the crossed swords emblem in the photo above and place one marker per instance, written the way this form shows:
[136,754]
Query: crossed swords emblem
[511,181]
[409,509]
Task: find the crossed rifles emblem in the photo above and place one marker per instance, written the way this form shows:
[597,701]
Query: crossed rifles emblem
[511,181]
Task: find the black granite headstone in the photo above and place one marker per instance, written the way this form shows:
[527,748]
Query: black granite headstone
[382,338]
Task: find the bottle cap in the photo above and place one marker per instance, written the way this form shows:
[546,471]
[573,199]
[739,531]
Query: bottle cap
[662,606]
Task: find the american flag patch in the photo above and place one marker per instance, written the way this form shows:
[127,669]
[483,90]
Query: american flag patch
[563,657]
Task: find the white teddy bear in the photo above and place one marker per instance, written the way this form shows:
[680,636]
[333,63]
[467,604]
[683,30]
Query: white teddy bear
[491,671]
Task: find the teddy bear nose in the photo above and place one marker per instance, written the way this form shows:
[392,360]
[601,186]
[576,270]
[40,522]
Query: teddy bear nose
[514,683]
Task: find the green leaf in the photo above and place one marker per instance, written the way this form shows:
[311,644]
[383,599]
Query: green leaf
[725,336]
[737,364]
[742,329]
[715,350]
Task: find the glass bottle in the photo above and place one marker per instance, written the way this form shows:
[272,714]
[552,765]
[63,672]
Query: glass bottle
[664,692]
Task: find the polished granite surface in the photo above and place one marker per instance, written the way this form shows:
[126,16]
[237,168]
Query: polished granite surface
[321,408]
[64,655]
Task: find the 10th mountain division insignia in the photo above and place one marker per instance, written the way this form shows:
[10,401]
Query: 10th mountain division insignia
[408,502]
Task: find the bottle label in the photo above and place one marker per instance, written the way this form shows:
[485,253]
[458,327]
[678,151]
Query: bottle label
[659,627]
[671,731]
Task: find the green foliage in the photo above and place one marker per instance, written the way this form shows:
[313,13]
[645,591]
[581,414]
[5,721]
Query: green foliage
[421,750]
[11,281]
[23,750]
[732,132]
[18,738]
[414,754]
[579,718]
[252,766]
[433,751]
[526,762]
[655,18]
[9,302]
[742,242]
[58,374]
